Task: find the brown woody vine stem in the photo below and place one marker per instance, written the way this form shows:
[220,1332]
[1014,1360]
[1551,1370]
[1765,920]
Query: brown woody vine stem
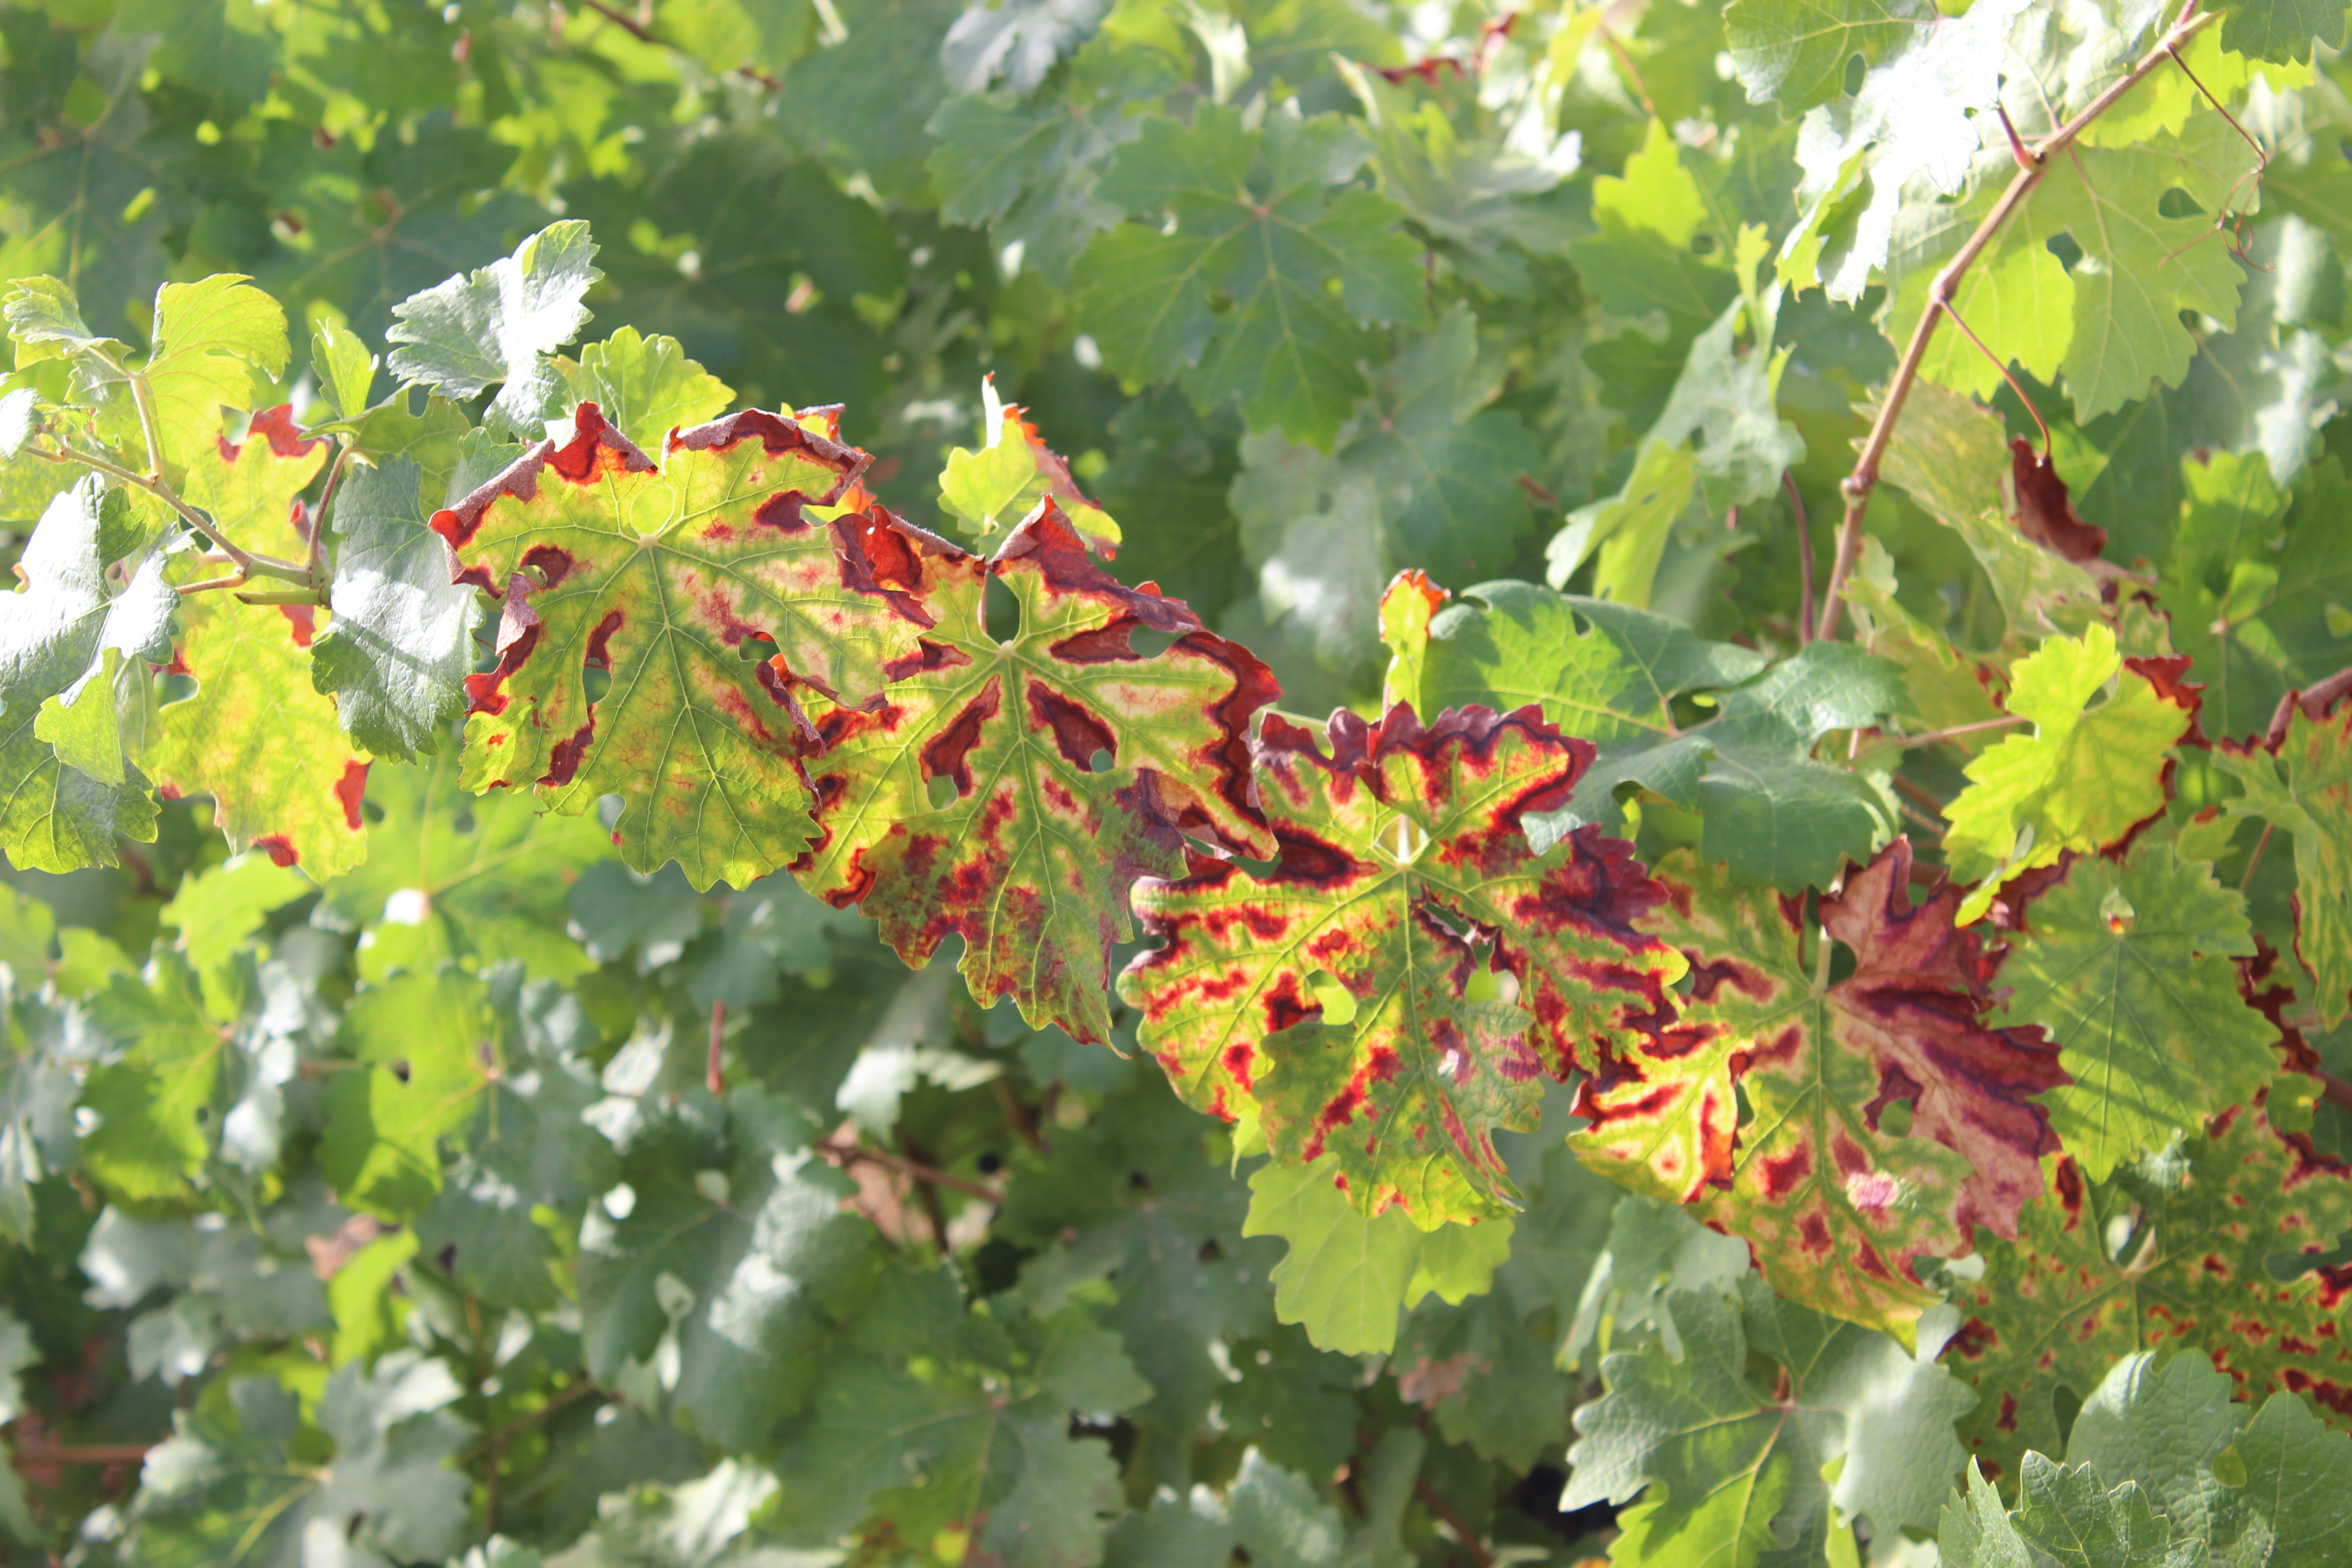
[845,1154]
[246,563]
[1858,484]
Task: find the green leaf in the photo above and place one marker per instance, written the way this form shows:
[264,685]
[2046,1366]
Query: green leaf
[494,327]
[1798,54]
[697,737]
[647,388]
[2305,787]
[2296,1501]
[344,366]
[1029,170]
[1975,1530]
[211,339]
[230,1486]
[859,101]
[2128,966]
[1764,1107]
[1734,1473]
[43,312]
[732,1239]
[217,909]
[397,652]
[1404,876]
[2085,777]
[56,638]
[1276,308]
[2070,1516]
[1014,41]
[992,491]
[154,1101]
[2257,616]
[1427,468]
[2282,31]
[2166,1427]
[1346,1273]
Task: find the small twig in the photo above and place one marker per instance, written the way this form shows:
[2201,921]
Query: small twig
[1633,73]
[253,565]
[1918,794]
[2334,1089]
[2002,366]
[844,1154]
[280,595]
[2254,860]
[580,1390]
[1461,1532]
[1858,484]
[1927,823]
[622,20]
[82,1453]
[2261,159]
[713,1078]
[1804,558]
[2016,142]
[1934,737]
[318,517]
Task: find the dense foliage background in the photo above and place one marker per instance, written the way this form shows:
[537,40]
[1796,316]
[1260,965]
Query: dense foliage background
[394,1171]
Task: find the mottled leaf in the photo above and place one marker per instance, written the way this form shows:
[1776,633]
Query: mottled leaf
[2305,786]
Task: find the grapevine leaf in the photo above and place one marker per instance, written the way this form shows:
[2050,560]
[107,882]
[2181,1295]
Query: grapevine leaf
[1029,851]
[1644,259]
[2126,966]
[2085,777]
[941,1421]
[397,652]
[1269,1512]
[216,909]
[1837,1206]
[2072,1518]
[645,386]
[1014,41]
[1348,1272]
[1950,454]
[991,490]
[45,321]
[734,1210]
[154,1101]
[436,1050]
[2209,1256]
[2304,785]
[2165,1426]
[660,577]
[250,490]
[211,338]
[1237,297]
[496,324]
[55,634]
[2257,619]
[1426,468]
[1946,688]
[38,1134]
[344,368]
[2296,1502]
[450,877]
[258,736]
[1798,54]
[1733,1473]
[1132,1197]
[1402,857]
[773,930]
[2282,31]
[850,102]
[232,1484]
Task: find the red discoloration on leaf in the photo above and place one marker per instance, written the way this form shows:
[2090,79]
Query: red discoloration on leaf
[352,789]
[665,575]
[2058,1309]
[1813,1170]
[279,850]
[301,623]
[1401,856]
[1032,861]
[2045,510]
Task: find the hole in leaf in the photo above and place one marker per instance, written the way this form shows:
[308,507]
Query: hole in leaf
[1856,68]
[1000,611]
[1703,244]
[941,791]
[757,647]
[2063,248]
[1220,302]
[1210,1251]
[596,682]
[1895,1120]
[1100,762]
[989,1162]
[1339,1006]
[1151,644]
[400,1071]
[2178,203]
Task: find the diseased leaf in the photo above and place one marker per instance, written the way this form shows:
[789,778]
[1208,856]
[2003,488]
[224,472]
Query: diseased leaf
[2126,966]
[1798,54]
[989,491]
[1234,300]
[1764,1105]
[666,579]
[2165,1426]
[1012,792]
[2209,1248]
[56,634]
[2088,774]
[210,338]
[1735,1475]
[258,736]
[495,327]
[1403,875]
[2304,785]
